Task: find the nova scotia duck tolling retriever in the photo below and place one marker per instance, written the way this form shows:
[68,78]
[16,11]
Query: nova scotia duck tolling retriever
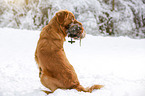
[55,71]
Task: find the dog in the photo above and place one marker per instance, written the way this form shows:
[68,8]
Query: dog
[55,71]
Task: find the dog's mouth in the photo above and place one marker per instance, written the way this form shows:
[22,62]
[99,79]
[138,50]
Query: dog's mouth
[74,31]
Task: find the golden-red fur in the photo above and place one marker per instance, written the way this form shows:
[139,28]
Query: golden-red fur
[55,69]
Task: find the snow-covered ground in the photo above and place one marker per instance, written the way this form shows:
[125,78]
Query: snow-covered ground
[116,62]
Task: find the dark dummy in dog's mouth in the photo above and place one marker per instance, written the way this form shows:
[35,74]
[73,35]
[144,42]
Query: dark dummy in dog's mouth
[75,31]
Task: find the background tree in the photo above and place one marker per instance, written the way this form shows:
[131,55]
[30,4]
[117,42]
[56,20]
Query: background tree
[99,17]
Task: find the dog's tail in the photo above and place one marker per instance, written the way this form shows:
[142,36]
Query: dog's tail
[81,88]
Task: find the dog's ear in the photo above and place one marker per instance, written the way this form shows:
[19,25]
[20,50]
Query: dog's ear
[61,16]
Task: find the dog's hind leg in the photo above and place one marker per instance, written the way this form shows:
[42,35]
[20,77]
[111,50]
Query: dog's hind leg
[50,83]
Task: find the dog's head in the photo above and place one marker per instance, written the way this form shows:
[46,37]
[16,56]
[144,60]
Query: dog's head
[64,18]
[74,29]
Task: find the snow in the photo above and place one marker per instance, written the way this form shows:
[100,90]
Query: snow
[116,62]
